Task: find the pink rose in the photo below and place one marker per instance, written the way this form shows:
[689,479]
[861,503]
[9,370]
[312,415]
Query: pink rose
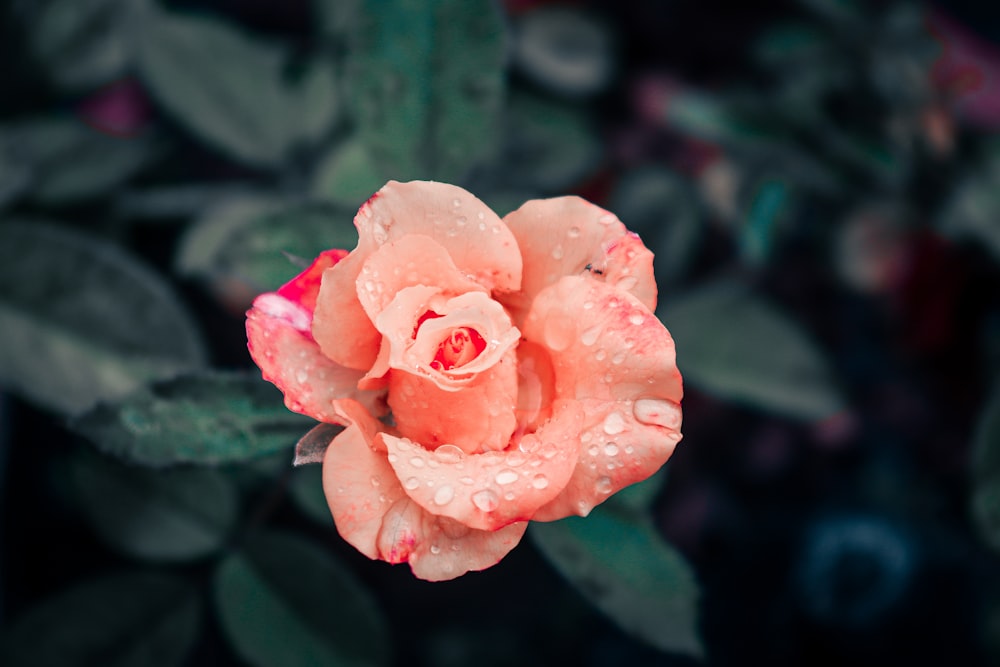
[487,371]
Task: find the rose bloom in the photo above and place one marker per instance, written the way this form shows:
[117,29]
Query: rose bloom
[486,371]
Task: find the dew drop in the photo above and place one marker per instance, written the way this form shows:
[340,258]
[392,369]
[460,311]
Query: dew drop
[539,481]
[593,450]
[411,483]
[636,318]
[587,305]
[627,283]
[448,454]
[607,219]
[482,226]
[506,477]
[611,449]
[657,412]
[485,500]
[417,462]
[456,202]
[379,233]
[601,354]
[444,495]
[558,252]
[618,358]
[603,485]
[573,232]
[510,495]
[589,337]
[466,480]
[629,449]
[435,549]
[548,451]
[614,423]
[392,458]
[301,376]
[376,481]
[461,220]
[515,459]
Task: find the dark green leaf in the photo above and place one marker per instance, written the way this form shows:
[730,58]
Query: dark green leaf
[985,501]
[735,345]
[427,85]
[284,602]
[207,418]
[973,211]
[66,161]
[249,240]
[618,562]
[119,620]
[81,321]
[173,203]
[347,175]
[548,146]
[81,43]
[231,89]
[162,515]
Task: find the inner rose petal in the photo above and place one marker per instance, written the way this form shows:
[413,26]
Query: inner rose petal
[448,341]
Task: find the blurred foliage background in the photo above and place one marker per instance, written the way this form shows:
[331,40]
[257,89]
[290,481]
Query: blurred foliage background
[819,180]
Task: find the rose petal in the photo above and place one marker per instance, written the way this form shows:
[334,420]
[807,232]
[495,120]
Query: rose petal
[341,326]
[477,240]
[493,489]
[413,342]
[280,343]
[412,260]
[303,288]
[618,363]
[479,418]
[360,487]
[568,236]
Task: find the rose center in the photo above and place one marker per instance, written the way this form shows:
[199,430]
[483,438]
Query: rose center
[459,348]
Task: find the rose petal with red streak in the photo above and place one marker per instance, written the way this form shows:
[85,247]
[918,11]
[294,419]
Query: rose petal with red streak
[568,236]
[304,288]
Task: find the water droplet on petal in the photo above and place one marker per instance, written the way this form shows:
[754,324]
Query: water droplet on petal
[614,423]
[376,481]
[435,549]
[411,483]
[607,219]
[611,449]
[658,412]
[444,495]
[593,450]
[417,462]
[510,495]
[627,283]
[601,354]
[456,202]
[589,337]
[466,480]
[485,500]
[448,454]
[573,232]
[629,449]
[549,450]
[539,481]
[603,485]
[506,477]
[558,253]
[301,376]
[618,358]
[636,318]
[515,459]
[587,305]
[392,458]
[461,220]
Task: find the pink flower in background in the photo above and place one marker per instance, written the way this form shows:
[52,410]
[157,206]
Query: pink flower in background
[488,372]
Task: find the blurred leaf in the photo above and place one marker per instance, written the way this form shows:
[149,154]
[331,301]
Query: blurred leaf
[208,418]
[285,602]
[256,251]
[734,345]
[716,118]
[161,515]
[663,208]
[547,146]
[427,85]
[81,43]
[306,491]
[347,175]
[172,203]
[140,619]
[340,21]
[768,205]
[618,562]
[82,321]
[985,501]
[232,89]
[639,497]
[973,210]
[62,160]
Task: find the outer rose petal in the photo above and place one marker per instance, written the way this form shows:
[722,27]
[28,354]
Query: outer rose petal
[280,343]
[565,235]
[304,287]
[373,514]
[480,417]
[490,490]
[477,240]
[618,363]
[340,325]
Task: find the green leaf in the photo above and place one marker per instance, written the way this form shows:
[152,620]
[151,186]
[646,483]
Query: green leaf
[65,161]
[985,499]
[306,490]
[140,619]
[207,418]
[616,560]
[81,43]
[232,89]
[427,85]
[255,251]
[973,210]
[734,345]
[81,321]
[347,175]
[548,146]
[285,602]
[161,515]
